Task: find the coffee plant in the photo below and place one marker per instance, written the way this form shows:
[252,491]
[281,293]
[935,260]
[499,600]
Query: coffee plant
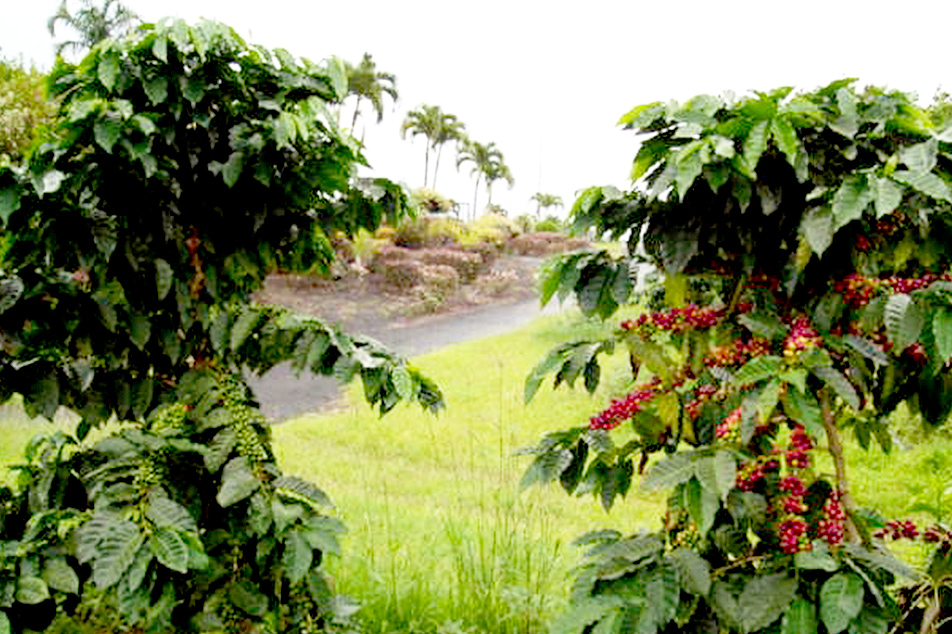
[804,242]
[183,165]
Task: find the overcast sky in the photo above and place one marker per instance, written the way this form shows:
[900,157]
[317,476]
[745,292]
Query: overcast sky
[547,81]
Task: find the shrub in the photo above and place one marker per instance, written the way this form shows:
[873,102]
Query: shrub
[467,265]
[385,233]
[545,243]
[343,246]
[550,223]
[401,274]
[495,227]
[487,252]
[525,222]
[440,279]
[388,254]
[411,233]
[817,224]
[431,201]
[497,282]
[147,217]
[445,231]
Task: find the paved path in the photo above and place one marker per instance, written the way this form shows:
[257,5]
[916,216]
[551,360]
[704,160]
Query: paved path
[283,396]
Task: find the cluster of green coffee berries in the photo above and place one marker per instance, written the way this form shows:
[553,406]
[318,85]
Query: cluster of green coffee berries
[171,416]
[151,471]
[244,418]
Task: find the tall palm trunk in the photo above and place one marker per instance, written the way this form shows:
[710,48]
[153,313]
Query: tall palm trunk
[489,191]
[475,194]
[436,166]
[426,165]
[353,123]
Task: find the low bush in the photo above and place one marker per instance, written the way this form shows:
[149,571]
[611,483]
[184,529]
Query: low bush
[411,233]
[439,279]
[467,265]
[445,231]
[497,282]
[487,252]
[344,250]
[401,274]
[545,243]
[550,223]
[387,254]
[495,227]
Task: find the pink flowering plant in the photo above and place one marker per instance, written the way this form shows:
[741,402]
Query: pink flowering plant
[816,225]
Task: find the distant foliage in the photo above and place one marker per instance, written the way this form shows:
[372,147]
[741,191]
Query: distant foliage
[550,223]
[24,109]
[432,201]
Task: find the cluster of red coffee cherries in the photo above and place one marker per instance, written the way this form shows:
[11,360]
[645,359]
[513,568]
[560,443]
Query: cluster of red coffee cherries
[677,319]
[802,337]
[702,395]
[907,529]
[753,472]
[738,352]
[621,409]
[858,290]
[831,528]
[796,522]
[729,428]
[898,529]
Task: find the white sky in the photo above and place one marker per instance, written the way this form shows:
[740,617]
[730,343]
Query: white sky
[547,81]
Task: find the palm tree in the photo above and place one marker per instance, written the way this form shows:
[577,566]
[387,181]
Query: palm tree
[451,129]
[438,127]
[544,201]
[365,82]
[487,162]
[92,23]
[497,171]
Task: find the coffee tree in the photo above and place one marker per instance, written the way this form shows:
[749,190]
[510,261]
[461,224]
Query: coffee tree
[184,165]
[804,242]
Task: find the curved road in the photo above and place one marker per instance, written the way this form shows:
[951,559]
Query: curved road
[283,396]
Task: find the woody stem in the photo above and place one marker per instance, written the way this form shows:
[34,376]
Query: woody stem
[835,447]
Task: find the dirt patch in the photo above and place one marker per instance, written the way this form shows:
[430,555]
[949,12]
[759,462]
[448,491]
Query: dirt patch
[362,301]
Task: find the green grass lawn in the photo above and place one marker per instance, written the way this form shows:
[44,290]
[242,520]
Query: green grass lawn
[441,539]
[440,534]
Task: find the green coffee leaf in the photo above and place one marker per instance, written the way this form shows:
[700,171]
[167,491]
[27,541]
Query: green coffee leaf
[170,549]
[695,571]
[850,200]
[758,369]
[817,225]
[702,505]
[108,69]
[32,590]
[926,183]
[237,482]
[670,472]
[841,599]
[59,575]
[297,557]
[800,618]
[840,384]
[904,320]
[942,331]
[163,278]
[755,144]
[887,195]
